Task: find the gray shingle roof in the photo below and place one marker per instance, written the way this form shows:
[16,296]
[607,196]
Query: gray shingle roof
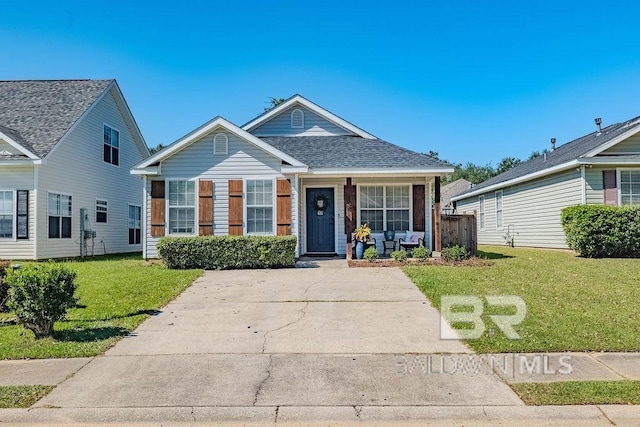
[351,152]
[38,113]
[562,154]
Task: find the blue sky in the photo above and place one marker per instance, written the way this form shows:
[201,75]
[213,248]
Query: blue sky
[474,81]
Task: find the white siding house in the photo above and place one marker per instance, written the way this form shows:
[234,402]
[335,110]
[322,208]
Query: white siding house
[327,174]
[599,168]
[62,159]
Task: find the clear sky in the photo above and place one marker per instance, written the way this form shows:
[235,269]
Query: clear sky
[473,80]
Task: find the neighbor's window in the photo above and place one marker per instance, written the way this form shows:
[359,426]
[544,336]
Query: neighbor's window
[297,119]
[59,210]
[135,224]
[260,206]
[481,213]
[385,205]
[111,146]
[630,187]
[499,209]
[6,214]
[101,211]
[182,207]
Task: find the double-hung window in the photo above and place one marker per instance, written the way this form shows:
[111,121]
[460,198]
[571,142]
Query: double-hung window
[630,187]
[111,148]
[101,211]
[182,207]
[59,208]
[481,211]
[260,206]
[385,207]
[135,224]
[6,214]
[499,197]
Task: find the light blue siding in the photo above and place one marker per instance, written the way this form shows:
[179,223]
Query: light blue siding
[314,125]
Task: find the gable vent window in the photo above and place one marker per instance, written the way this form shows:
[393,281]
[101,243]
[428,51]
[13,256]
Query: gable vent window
[111,152]
[297,119]
[220,144]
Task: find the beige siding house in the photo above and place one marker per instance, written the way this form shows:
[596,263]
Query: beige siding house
[523,205]
[297,169]
[66,147]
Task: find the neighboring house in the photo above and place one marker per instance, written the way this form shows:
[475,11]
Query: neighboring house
[66,147]
[296,169]
[525,203]
[448,191]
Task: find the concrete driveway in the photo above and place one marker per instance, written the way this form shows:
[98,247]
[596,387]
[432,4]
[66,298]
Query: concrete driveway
[282,340]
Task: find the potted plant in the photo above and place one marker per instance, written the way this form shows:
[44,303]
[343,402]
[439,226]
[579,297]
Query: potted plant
[363,234]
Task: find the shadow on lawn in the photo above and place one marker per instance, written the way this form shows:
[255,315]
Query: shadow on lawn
[89,334]
[493,255]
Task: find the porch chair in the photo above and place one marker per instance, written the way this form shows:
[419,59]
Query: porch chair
[412,240]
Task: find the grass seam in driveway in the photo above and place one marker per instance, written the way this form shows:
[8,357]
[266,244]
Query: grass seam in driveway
[22,396]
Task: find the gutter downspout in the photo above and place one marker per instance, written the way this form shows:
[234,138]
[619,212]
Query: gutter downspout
[144,215]
[583,183]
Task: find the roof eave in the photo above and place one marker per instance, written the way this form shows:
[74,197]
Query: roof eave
[19,146]
[381,171]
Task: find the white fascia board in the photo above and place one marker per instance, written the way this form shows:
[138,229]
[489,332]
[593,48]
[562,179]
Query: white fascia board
[20,162]
[297,99]
[205,129]
[385,171]
[610,160]
[294,169]
[151,170]
[18,147]
[525,178]
[634,130]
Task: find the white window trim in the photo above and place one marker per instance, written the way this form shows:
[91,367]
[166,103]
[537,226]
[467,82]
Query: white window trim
[14,234]
[167,229]
[106,212]
[502,210]
[47,217]
[119,145]
[141,223]
[482,216]
[302,114]
[384,209]
[274,207]
[216,151]
[619,182]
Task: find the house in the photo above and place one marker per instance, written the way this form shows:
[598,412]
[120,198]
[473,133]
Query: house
[451,189]
[296,169]
[66,147]
[522,206]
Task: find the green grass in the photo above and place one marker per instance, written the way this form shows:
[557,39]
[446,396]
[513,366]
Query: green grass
[580,393]
[22,396]
[573,304]
[116,294]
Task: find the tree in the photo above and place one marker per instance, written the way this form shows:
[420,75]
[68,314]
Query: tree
[471,172]
[273,103]
[537,154]
[154,150]
[507,163]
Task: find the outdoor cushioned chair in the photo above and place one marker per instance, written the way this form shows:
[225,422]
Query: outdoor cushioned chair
[412,240]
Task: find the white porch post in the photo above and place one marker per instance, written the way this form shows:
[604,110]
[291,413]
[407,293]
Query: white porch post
[296,213]
[429,215]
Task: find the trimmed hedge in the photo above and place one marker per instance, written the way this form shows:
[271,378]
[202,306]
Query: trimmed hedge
[4,286]
[228,252]
[599,231]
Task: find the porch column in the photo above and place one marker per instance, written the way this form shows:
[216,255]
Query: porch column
[437,237]
[350,213]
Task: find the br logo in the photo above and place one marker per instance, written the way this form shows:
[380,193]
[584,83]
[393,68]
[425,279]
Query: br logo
[449,316]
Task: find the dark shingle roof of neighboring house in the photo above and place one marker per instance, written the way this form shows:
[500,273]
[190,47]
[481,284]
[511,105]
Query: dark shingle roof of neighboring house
[351,152]
[563,154]
[37,113]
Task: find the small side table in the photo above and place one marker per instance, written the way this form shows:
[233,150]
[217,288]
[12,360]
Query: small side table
[388,245]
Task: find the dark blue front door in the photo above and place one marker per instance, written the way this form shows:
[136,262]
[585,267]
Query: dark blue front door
[320,220]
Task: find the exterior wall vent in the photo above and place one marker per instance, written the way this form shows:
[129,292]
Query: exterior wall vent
[220,144]
[297,119]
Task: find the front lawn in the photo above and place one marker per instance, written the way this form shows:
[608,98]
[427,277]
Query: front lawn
[573,304]
[116,294]
[580,393]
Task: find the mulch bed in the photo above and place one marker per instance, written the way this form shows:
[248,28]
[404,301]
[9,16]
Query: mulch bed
[472,262]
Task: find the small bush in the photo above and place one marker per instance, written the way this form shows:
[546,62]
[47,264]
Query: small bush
[400,256]
[455,253]
[371,254]
[597,231]
[4,286]
[421,253]
[228,252]
[40,295]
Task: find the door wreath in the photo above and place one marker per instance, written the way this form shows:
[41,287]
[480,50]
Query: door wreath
[321,202]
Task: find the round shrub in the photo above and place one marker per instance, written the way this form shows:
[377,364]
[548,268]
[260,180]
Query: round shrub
[421,253]
[455,253]
[4,286]
[400,256]
[371,254]
[40,295]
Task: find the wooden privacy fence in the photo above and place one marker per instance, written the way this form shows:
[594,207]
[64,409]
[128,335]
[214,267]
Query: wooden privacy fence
[460,229]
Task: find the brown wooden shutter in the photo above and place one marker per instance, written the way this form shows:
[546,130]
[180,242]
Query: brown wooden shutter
[609,187]
[236,209]
[157,209]
[283,205]
[418,208]
[349,209]
[205,207]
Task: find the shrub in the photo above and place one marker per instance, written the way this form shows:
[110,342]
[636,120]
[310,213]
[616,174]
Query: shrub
[400,256]
[228,252]
[598,231]
[4,286]
[421,253]
[371,254]
[40,295]
[455,253]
